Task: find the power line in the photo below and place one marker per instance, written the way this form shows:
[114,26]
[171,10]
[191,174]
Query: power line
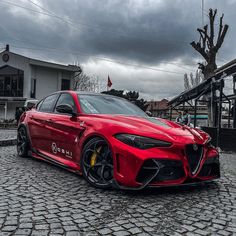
[106,59]
[72,23]
[43,47]
[52,14]
[181,65]
[202,12]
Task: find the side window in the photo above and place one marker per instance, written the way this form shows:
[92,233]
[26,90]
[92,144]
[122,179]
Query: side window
[48,103]
[66,98]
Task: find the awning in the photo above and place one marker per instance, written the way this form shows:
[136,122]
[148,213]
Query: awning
[12,99]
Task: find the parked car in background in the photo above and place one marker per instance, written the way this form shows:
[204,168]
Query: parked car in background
[29,103]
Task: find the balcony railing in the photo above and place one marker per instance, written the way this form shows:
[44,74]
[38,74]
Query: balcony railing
[11,86]
[11,93]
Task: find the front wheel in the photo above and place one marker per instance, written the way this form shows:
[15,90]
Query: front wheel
[22,142]
[97,163]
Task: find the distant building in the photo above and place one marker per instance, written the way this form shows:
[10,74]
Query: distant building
[159,108]
[23,78]
[201,113]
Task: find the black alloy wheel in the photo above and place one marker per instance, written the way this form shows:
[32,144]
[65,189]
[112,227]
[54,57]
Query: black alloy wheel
[97,163]
[22,142]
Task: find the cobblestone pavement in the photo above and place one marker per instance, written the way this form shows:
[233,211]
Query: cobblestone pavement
[37,198]
[6,134]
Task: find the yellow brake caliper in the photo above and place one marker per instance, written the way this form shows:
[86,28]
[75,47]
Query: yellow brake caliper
[94,156]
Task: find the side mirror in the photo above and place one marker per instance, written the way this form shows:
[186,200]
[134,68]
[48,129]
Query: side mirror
[65,109]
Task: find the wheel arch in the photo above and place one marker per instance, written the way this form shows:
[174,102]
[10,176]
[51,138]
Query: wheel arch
[27,132]
[92,136]
[22,125]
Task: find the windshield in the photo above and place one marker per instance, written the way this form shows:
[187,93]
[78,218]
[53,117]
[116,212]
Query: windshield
[105,104]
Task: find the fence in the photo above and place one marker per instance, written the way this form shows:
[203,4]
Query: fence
[227,138]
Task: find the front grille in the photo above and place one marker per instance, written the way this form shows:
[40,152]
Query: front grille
[194,154]
[168,170]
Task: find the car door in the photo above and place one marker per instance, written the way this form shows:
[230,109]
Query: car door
[65,132]
[39,124]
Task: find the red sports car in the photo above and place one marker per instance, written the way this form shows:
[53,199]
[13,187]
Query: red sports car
[111,142]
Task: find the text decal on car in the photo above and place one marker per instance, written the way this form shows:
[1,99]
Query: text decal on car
[56,150]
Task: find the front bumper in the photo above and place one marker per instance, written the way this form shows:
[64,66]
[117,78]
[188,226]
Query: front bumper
[177,165]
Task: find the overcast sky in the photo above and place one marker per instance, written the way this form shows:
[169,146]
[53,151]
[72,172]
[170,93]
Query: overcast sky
[142,44]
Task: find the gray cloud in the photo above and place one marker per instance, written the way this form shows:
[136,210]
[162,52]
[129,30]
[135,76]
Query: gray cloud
[150,33]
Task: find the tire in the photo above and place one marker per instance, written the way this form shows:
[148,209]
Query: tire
[97,163]
[23,146]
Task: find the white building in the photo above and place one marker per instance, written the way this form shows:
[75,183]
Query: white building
[24,78]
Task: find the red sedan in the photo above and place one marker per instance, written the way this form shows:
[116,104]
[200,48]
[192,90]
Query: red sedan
[111,142]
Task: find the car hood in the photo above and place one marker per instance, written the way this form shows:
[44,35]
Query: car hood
[153,127]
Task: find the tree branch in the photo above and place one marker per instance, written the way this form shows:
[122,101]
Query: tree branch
[221,34]
[201,50]
[212,31]
[221,38]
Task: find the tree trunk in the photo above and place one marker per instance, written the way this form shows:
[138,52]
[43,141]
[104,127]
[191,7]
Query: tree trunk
[208,72]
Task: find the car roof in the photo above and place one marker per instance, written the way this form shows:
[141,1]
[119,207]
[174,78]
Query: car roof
[89,93]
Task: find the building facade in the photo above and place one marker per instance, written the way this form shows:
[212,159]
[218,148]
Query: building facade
[162,110]
[23,78]
[159,108]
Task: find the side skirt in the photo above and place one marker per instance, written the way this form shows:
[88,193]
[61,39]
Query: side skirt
[54,162]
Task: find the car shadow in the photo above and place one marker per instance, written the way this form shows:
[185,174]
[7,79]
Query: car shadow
[197,187]
[163,190]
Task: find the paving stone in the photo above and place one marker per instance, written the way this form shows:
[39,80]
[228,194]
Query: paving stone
[189,227]
[134,230]
[23,232]
[217,221]
[73,233]
[224,233]
[201,232]
[117,228]
[121,233]
[39,232]
[104,231]
[26,226]
[8,228]
[70,228]
[41,227]
[199,225]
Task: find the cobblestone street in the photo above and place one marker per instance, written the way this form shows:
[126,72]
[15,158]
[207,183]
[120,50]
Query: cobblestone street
[6,134]
[37,198]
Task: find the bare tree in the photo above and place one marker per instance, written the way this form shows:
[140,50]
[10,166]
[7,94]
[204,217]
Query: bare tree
[186,82]
[88,83]
[208,46]
[191,80]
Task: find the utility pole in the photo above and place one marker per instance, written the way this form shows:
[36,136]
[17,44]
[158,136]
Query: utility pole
[202,13]
[234,106]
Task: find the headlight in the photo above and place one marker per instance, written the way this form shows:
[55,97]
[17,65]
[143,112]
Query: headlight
[141,142]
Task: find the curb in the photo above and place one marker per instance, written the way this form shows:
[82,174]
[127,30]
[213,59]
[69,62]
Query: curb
[8,142]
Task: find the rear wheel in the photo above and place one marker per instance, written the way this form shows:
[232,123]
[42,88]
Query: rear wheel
[97,163]
[22,142]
